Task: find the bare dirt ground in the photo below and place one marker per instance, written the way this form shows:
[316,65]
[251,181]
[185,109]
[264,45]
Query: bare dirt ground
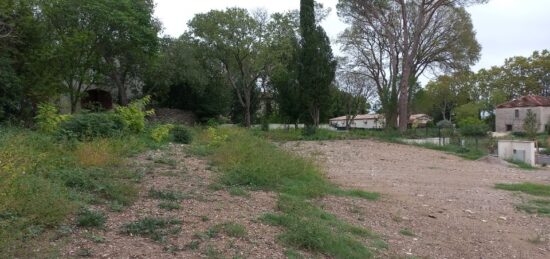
[201,209]
[433,205]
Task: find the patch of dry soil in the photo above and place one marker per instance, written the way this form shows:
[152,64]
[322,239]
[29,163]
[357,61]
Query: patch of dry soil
[448,203]
[173,169]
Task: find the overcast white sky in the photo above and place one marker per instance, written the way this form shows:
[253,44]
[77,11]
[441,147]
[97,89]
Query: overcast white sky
[505,28]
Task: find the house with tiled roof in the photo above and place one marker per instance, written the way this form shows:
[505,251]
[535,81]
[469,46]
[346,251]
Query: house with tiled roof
[509,116]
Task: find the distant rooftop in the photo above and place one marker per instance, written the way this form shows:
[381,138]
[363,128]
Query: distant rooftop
[527,101]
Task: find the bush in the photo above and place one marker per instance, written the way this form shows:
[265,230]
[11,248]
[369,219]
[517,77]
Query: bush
[182,135]
[161,133]
[89,126]
[134,114]
[48,118]
[445,124]
[91,219]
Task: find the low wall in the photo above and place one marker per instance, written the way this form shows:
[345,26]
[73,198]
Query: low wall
[432,141]
[517,150]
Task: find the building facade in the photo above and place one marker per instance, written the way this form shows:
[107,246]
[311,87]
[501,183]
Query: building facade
[509,117]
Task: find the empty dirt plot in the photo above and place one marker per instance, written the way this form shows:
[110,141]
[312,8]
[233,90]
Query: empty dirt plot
[433,204]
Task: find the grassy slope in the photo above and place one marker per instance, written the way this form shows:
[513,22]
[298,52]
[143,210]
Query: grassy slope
[252,162]
[43,180]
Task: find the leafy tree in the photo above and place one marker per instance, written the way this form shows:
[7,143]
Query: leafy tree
[317,65]
[404,38]
[183,77]
[467,111]
[473,127]
[127,40]
[237,40]
[531,125]
[356,91]
[75,55]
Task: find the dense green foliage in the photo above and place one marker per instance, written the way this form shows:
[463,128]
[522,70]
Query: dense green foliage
[65,46]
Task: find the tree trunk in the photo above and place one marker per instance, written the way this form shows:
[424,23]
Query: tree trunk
[122,95]
[247,115]
[404,97]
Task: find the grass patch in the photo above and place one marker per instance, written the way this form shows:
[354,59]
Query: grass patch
[167,195]
[91,219]
[248,161]
[229,228]
[238,191]
[169,206]
[541,207]
[522,165]
[154,228]
[359,194]
[528,188]
[406,232]
[469,153]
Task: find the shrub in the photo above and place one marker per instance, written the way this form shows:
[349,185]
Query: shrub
[161,133]
[445,124]
[88,126]
[91,219]
[48,118]
[182,135]
[133,115]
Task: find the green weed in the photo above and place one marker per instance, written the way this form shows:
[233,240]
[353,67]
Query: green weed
[407,232]
[528,188]
[91,219]
[166,195]
[154,228]
[169,206]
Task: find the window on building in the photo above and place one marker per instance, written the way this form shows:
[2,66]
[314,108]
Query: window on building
[517,114]
[508,127]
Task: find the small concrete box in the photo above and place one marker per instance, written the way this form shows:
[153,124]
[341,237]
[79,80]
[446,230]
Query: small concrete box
[517,150]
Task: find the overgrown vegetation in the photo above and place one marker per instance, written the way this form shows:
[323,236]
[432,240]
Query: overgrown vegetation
[70,163]
[251,162]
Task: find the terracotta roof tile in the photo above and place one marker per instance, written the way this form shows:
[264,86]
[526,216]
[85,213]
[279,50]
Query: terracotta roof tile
[527,101]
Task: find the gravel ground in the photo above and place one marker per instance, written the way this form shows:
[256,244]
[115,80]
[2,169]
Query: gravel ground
[433,205]
[173,169]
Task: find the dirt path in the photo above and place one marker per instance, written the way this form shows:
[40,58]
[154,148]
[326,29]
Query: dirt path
[448,204]
[202,208]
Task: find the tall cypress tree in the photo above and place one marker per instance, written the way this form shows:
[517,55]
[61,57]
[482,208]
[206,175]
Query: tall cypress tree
[317,65]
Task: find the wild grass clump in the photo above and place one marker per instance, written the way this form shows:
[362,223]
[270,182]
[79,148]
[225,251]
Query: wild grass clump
[528,188]
[155,228]
[91,219]
[182,135]
[167,195]
[251,162]
[541,207]
[231,229]
[522,165]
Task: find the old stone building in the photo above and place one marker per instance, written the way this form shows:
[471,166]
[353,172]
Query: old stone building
[510,115]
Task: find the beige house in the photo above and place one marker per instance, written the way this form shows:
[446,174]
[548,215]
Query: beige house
[362,121]
[510,115]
